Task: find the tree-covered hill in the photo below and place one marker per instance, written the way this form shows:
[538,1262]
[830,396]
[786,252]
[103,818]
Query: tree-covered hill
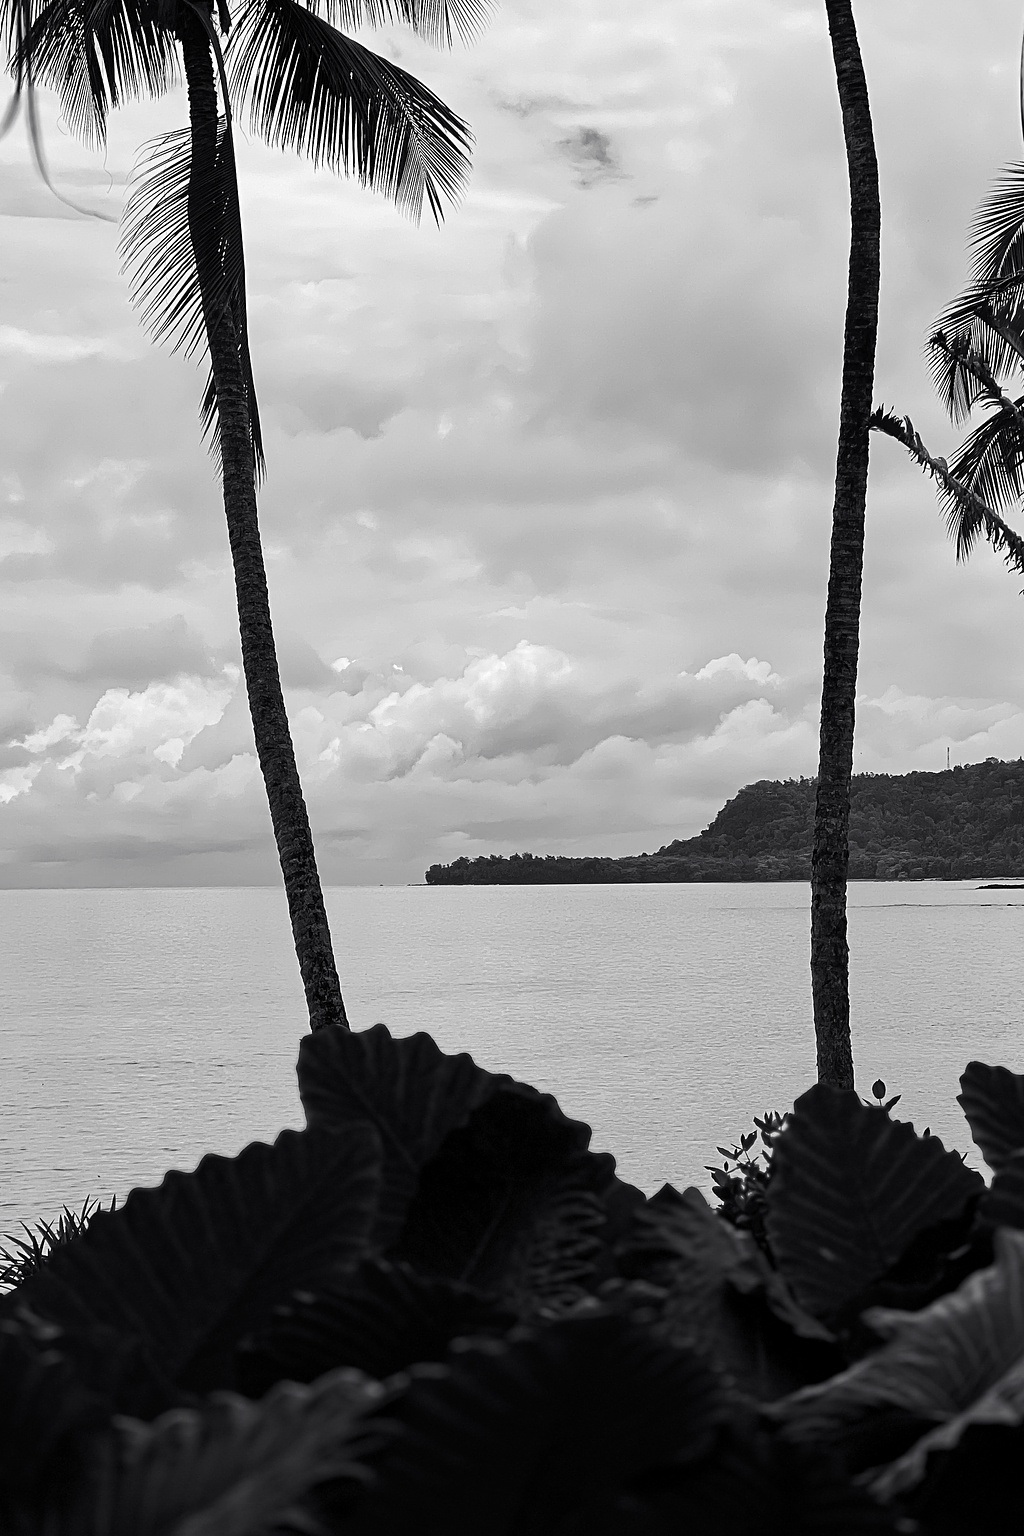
[966,823]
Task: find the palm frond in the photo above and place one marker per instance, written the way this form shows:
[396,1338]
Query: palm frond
[16,21]
[97,54]
[436,21]
[997,232]
[16,18]
[313,89]
[990,462]
[989,315]
[985,321]
[184,279]
[967,514]
[963,373]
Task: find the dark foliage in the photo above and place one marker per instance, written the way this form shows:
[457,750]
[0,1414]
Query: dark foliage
[188,1268]
[447,1313]
[380,1318]
[850,1191]
[46,1410]
[741,1184]
[967,823]
[993,1101]
[561,1419]
[25,1255]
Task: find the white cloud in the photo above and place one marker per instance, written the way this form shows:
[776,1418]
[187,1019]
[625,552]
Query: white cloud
[124,725]
[756,671]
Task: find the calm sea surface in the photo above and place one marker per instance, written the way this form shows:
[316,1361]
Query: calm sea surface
[143,1028]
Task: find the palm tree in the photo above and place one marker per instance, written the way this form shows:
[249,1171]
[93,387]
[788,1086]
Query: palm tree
[310,87]
[830,956]
[977,357]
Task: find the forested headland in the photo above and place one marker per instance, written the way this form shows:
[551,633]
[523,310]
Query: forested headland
[964,823]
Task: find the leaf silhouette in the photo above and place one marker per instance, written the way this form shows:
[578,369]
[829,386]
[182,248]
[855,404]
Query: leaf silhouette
[381,1319]
[988,461]
[719,1293]
[315,90]
[191,1266]
[992,1098]
[935,1364]
[98,56]
[539,1432]
[677,1243]
[181,249]
[1002,1405]
[511,1203]
[405,1087]
[229,1467]
[850,1190]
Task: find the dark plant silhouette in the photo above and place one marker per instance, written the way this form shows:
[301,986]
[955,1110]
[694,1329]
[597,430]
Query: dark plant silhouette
[741,1184]
[307,86]
[830,956]
[435,1308]
[23,1256]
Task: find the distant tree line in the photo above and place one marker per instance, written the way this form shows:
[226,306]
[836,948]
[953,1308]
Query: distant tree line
[966,823]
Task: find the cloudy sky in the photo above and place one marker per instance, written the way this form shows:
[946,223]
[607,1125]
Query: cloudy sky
[549,494]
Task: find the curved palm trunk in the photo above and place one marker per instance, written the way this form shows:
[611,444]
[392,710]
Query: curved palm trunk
[830,955]
[259,657]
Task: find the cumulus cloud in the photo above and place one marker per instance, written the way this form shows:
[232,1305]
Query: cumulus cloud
[529,738]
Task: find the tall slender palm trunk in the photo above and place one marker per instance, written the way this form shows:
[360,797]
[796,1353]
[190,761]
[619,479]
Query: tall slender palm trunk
[830,955]
[259,657]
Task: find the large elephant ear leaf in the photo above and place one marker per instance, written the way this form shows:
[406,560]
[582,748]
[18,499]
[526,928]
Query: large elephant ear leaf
[405,1087]
[992,1098]
[718,1292]
[1001,1407]
[850,1191]
[381,1318]
[193,1265]
[680,1245]
[542,1432]
[936,1364]
[230,1467]
[512,1203]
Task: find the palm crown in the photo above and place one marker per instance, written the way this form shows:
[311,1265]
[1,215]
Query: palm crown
[976,358]
[305,85]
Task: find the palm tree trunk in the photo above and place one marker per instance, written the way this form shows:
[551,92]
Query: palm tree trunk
[259,656]
[830,955]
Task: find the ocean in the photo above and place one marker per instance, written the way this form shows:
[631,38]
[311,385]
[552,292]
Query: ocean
[143,1028]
